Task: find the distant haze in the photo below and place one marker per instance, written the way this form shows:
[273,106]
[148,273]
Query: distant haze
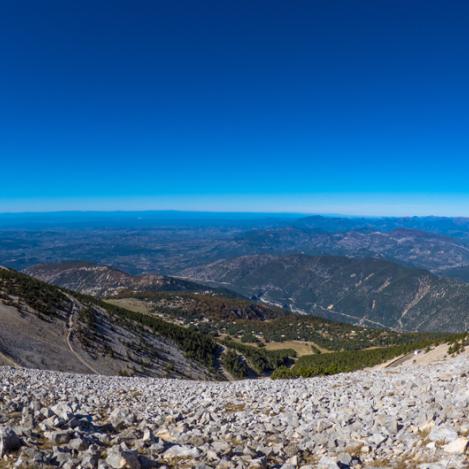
[324,204]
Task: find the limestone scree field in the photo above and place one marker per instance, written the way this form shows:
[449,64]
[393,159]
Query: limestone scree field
[406,417]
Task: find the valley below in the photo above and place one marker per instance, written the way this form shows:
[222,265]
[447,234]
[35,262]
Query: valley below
[362,291]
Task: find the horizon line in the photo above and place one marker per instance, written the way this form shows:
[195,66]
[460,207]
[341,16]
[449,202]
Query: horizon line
[220,212]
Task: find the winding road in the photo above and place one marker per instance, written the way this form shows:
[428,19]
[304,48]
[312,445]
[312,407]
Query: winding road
[68,335]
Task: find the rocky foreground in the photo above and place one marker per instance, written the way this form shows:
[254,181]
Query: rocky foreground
[400,418]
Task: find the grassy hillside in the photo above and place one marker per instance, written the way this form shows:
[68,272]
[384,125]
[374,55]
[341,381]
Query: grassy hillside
[347,361]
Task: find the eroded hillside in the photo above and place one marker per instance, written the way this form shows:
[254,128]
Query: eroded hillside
[105,281]
[48,328]
[366,291]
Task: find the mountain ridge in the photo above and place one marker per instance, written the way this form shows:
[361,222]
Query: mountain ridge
[356,290]
[434,252]
[106,281]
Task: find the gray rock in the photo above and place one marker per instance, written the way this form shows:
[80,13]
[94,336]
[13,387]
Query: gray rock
[120,418]
[59,437]
[61,456]
[62,410]
[344,459]
[457,446]
[221,447]
[118,459]
[377,439]
[326,462]
[78,444]
[377,415]
[443,434]
[182,452]
[9,441]
[29,457]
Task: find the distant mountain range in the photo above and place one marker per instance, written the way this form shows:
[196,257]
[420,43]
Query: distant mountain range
[427,250]
[356,290]
[139,247]
[455,227]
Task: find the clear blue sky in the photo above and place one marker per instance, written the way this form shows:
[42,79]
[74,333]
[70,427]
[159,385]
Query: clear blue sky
[319,106]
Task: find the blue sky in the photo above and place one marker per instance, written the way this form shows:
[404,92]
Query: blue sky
[311,106]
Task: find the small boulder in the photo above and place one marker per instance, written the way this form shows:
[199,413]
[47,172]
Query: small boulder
[119,459]
[78,444]
[179,451]
[59,437]
[9,441]
[457,446]
[327,462]
[62,410]
[120,419]
[443,434]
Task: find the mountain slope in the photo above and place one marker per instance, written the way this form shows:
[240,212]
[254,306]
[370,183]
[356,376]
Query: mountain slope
[47,328]
[104,281]
[359,290]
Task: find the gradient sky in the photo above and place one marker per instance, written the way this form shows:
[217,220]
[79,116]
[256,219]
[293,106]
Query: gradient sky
[313,106]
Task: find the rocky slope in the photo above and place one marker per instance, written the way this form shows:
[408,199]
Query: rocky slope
[104,281]
[47,328]
[410,417]
[356,290]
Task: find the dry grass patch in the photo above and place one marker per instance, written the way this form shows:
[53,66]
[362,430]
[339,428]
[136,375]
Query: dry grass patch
[234,407]
[408,461]
[300,347]
[132,304]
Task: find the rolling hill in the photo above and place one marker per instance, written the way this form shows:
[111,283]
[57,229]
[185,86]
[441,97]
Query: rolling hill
[363,291]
